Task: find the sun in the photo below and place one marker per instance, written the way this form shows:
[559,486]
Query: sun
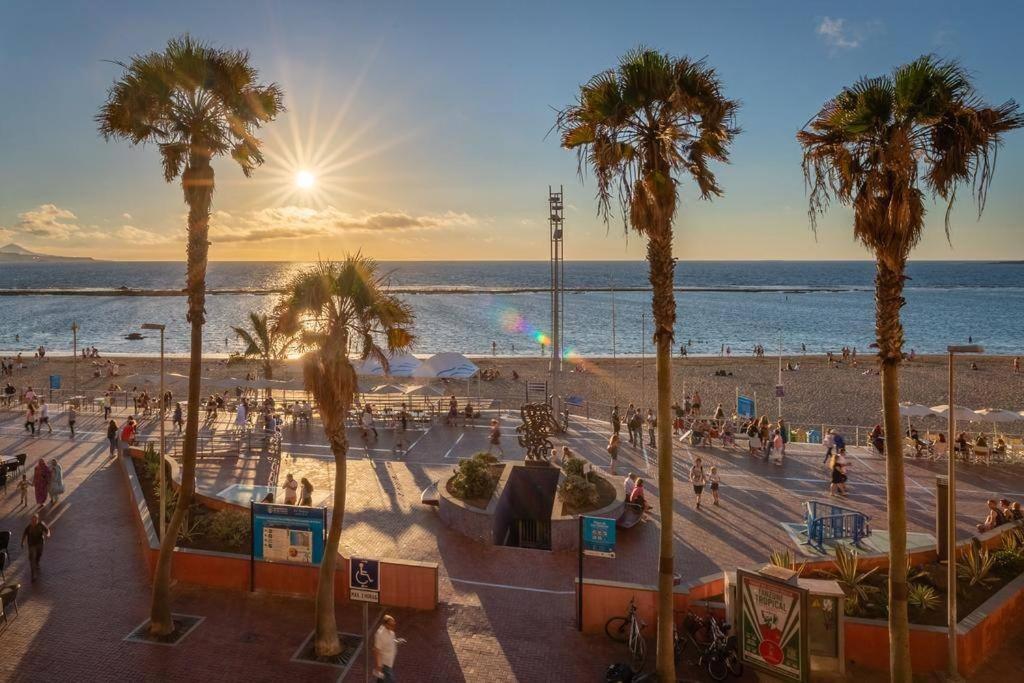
[304,180]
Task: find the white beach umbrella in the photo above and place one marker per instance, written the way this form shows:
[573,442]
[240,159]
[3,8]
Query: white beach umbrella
[999,415]
[915,410]
[140,379]
[388,389]
[447,365]
[423,390]
[370,366]
[959,412]
[403,365]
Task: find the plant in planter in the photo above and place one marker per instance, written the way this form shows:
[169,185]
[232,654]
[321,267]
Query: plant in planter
[574,467]
[785,559]
[923,597]
[229,527]
[578,492]
[853,582]
[975,567]
[473,478]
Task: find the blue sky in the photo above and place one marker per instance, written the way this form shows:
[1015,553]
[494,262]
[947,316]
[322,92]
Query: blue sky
[436,114]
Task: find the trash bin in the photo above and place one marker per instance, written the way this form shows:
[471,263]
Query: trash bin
[813,436]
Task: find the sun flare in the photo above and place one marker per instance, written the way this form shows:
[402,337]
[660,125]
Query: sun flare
[304,180]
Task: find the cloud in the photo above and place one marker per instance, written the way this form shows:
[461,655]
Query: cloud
[48,221]
[137,236]
[839,35]
[295,222]
[126,216]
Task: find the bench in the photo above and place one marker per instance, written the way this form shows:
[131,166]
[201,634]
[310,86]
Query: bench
[629,517]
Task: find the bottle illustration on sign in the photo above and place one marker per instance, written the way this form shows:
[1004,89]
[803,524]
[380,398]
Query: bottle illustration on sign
[362,577]
[770,648]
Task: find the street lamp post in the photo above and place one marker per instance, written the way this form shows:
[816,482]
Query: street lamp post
[74,357]
[163,407]
[951,513]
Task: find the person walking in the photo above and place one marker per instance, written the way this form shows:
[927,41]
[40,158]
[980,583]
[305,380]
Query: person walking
[613,451]
[616,420]
[112,431]
[35,534]
[652,425]
[23,491]
[385,647]
[72,419]
[714,481]
[494,438]
[106,405]
[30,419]
[44,417]
[635,426]
[837,466]
[41,482]
[56,481]
[177,420]
[829,442]
[698,478]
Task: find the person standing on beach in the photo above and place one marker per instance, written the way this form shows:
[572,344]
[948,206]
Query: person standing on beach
[696,403]
[697,478]
[35,534]
[494,348]
[1016,365]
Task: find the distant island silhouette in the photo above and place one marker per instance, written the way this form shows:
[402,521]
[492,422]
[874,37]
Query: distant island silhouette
[15,253]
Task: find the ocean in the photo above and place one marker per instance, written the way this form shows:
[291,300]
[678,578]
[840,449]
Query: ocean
[465,306]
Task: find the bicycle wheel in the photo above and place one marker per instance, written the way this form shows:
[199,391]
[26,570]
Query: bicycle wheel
[617,629]
[733,664]
[716,667]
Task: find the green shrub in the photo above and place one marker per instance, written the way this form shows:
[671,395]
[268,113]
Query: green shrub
[574,467]
[785,559]
[923,597]
[473,479]
[853,582]
[577,492]
[485,458]
[1008,561]
[229,527]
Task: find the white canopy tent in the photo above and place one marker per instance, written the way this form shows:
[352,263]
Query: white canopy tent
[402,365]
[915,410]
[959,412]
[387,389]
[448,366]
[423,390]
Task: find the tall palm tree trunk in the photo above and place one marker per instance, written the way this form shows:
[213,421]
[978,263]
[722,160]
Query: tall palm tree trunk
[326,640]
[889,330]
[197,182]
[663,309]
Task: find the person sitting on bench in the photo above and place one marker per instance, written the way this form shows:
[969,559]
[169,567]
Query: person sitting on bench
[637,499]
[994,517]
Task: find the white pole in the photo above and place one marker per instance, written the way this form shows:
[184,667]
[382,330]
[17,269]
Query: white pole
[163,464]
[643,358]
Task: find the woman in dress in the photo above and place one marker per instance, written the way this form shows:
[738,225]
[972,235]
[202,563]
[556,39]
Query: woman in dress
[56,481]
[41,482]
[306,497]
[613,451]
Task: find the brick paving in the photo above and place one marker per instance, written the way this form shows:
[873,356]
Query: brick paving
[94,589]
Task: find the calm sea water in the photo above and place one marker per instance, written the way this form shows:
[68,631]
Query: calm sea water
[465,306]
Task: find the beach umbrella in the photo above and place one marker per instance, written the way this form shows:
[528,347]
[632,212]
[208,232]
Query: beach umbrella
[915,410]
[959,412]
[140,379]
[423,390]
[403,365]
[388,389]
[369,366]
[999,415]
[447,365]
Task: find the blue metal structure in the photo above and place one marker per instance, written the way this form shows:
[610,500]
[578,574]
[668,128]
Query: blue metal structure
[827,521]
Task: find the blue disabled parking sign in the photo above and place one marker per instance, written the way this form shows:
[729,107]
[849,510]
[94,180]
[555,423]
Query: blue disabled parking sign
[364,580]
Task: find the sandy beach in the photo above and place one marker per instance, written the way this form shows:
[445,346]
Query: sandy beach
[814,394]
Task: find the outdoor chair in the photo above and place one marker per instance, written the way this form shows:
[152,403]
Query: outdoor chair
[3,565]
[9,596]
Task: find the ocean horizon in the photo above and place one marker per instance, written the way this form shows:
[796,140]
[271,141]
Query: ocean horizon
[466,305]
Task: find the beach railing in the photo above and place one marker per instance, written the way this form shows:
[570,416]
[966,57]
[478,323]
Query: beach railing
[826,521]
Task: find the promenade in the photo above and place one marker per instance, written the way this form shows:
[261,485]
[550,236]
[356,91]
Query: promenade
[505,614]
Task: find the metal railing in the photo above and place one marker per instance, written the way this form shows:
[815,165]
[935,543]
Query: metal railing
[838,523]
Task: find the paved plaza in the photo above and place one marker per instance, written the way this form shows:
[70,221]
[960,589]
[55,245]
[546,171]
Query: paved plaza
[505,614]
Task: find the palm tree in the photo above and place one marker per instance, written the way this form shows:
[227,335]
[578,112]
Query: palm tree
[194,102]
[329,309]
[879,146]
[263,342]
[639,128]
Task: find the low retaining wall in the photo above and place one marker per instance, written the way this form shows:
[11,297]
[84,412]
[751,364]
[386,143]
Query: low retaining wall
[603,600]
[404,583]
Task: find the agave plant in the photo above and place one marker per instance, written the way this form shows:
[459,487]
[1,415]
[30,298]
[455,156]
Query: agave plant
[974,567]
[923,597]
[785,559]
[853,582]
[1013,542]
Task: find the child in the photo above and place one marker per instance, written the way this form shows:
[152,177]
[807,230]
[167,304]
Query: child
[714,484]
[23,490]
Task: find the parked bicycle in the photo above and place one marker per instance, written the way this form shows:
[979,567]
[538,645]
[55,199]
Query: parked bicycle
[715,648]
[629,629]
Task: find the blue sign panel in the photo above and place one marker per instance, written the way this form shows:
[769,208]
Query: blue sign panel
[55,381]
[744,406]
[364,579]
[599,536]
[288,533]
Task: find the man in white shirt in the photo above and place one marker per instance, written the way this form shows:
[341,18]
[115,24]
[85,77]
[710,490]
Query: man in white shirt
[385,646]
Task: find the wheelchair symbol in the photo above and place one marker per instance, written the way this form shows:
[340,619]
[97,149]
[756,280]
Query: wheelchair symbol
[362,577]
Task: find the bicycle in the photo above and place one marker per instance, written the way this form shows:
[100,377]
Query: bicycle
[716,650]
[629,629]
